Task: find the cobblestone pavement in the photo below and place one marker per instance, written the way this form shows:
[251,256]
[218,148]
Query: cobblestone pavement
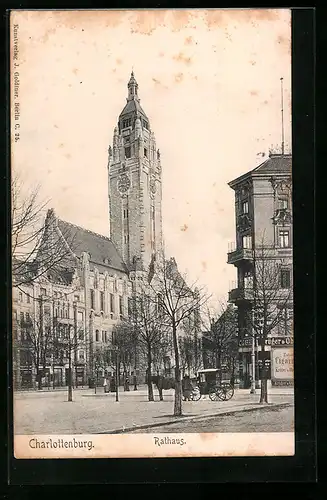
[274,419]
[49,412]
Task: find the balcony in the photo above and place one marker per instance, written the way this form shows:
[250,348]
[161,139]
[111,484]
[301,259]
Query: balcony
[237,255]
[238,295]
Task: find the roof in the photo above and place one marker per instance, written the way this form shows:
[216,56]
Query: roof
[274,165]
[99,247]
[209,370]
[133,106]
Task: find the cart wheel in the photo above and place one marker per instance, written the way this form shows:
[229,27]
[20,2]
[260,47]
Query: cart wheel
[196,395]
[220,393]
[226,392]
[213,395]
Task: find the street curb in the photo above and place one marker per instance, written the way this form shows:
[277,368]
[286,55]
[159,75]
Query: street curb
[258,406]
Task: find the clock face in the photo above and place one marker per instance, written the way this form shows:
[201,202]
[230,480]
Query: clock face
[124,183]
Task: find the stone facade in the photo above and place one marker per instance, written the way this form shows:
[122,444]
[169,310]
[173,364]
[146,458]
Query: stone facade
[102,271]
[263,220]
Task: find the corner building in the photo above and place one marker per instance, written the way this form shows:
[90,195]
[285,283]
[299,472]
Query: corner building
[263,218]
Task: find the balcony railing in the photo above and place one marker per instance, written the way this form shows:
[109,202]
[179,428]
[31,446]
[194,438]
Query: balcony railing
[240,295]
[239,254]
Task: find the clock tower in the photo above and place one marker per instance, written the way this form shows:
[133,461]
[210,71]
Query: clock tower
[135,191]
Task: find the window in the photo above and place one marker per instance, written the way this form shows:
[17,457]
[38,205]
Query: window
[112,303]
[160,307]
[245,207]
[127,123]
[92,298]
[125,213]
[105,336]
[128,152]
[66,314]
[285,321]
[145,124]
[248,281]
[81,355]
[20,297]
[247,242]
[81,335]
[28,318]
[102,335]
[43,291]
[282,203]
[145,152]
[97,336]
[284,239]
[80,316]
[130,307]
[102,301]
[121,306]
[285,278]
[125,238]
[21,318]
[28,298]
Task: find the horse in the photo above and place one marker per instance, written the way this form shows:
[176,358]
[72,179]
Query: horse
[162,384]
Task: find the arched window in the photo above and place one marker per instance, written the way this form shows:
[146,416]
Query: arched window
[97,336]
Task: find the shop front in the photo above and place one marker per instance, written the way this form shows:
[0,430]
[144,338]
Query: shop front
[280,357]
[282,366]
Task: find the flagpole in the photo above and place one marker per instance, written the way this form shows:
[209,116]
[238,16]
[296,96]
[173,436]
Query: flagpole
[282,113]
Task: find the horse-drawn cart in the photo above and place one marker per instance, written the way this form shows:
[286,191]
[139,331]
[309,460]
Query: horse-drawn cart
[211,382]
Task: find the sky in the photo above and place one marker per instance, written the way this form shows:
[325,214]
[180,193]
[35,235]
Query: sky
[209,81]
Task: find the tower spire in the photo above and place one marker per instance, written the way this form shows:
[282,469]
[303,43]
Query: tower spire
[282,112]
[132,88]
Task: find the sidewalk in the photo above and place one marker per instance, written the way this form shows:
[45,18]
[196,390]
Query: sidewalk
[51,413]
[142,389]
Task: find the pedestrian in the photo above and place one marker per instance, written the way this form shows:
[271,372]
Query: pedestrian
[187,388]
[105,384]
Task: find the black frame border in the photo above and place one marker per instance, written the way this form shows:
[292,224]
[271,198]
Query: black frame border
[301,467]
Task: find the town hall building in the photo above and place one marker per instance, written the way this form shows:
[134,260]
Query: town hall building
[87,298]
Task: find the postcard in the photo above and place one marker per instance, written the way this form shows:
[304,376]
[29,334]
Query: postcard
[151,213]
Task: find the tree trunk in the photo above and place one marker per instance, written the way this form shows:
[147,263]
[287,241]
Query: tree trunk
[178,382]
[264,385]
[70,388]
[149,376]
[39,380]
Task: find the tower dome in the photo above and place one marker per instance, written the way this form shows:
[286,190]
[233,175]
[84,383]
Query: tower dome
[132,109]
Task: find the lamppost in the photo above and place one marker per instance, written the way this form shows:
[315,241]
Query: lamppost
[257,328]
[252,391]
[115,349]
[70,381]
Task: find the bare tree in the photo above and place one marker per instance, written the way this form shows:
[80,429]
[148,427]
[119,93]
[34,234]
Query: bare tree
[36,338]
[37,247]
[123,340]
[190,344]
[146,317]
[178,301]
[99,363]
[272,300]
[220,339]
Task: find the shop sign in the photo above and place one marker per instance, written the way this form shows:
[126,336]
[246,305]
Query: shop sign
[270,341]
[282,363]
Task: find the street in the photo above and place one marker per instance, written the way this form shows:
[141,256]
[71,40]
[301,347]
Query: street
[265,420]
[49,412]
